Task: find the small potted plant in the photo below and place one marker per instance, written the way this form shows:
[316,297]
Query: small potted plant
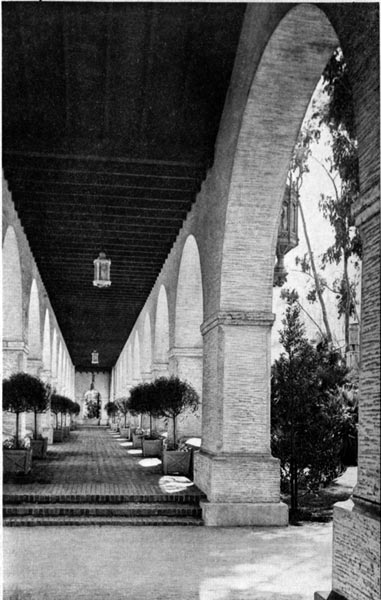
[124,408]
[145,400]
[17,453]
[175,396]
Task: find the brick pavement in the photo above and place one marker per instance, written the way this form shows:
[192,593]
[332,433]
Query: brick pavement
[95,462]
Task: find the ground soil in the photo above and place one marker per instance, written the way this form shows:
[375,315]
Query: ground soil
[319,507]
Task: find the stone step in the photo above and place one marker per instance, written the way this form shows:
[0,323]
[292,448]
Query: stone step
[129,509]
[37,521]
[36,498]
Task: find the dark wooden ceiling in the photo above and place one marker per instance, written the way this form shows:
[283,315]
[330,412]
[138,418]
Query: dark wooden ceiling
[110,115]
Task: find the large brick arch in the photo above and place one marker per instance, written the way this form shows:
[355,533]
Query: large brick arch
[12,288]
[285,79]
[189,298]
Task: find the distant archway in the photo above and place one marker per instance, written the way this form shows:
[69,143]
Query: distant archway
[161,341]
[12,288]
[136,359]
[189,298]
[34,326]
[146,361]
[46,347]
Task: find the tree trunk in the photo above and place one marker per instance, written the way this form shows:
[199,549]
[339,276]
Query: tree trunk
[174,432]
[314,271]
[17,430]
[35,426]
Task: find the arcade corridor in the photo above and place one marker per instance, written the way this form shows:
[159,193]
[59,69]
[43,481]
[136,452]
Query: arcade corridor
[160,135]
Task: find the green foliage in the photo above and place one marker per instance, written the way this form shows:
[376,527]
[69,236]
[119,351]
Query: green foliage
[309,419]
[111,408]
[23,393]
[124,407]
[164,397]
[334,111]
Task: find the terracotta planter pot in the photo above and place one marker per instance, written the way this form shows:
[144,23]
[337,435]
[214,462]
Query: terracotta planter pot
[39,447]
[152,447]
[17,460]
[125,432]
[137,440]
[66,432]
[176,462]
[57,435]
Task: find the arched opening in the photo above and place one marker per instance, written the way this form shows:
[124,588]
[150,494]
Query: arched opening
[189,298]
[14,359]
[54,355]
[136,360]
[12,288]
[277,101]
[146,361]
[34,331]
[130,373]
[161,341]
[59,368]
[185,359]
[46,347]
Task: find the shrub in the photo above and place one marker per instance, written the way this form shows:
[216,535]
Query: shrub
[308,418]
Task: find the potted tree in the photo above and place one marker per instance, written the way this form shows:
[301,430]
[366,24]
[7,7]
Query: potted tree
[17,454]
[57,406]
[144,400]
[112,410]
[67,407]
[124,408]
[174,396]
[39,403]
[74,412]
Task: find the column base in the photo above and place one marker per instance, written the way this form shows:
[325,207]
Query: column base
[238,477]
[356,549]
[328,596]
[243,514]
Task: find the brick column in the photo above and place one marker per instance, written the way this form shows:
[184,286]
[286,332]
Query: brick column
[186,363]
[235,467]
[159,369]
[356,523]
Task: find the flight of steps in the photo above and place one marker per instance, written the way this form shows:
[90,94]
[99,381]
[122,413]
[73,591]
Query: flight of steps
[35,510]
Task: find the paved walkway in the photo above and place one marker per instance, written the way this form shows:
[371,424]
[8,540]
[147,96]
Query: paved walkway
[166,563]
[96,462]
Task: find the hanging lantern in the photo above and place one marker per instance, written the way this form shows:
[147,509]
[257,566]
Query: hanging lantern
[94,358]
[102,271]
[287,233]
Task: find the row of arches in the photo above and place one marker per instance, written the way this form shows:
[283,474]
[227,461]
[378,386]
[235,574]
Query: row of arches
[282,53]
[166,339]
[32,341]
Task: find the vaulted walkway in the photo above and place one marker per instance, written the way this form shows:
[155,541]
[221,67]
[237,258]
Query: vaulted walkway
[95,462]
